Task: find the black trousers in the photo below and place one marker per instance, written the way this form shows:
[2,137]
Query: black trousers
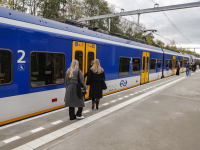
[72,115]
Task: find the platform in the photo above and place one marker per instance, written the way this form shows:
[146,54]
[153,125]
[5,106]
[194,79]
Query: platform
[160,115]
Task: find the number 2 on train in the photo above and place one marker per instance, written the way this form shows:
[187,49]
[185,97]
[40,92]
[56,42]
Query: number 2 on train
[20,60]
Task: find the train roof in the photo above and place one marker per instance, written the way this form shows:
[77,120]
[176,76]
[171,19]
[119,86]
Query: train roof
[175,53]
[19,16]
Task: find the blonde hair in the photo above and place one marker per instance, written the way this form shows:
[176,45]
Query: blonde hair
[74,65]
[96,68]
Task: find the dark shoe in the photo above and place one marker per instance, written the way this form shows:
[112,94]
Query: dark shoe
[97,105]
[72,118]
[93,104]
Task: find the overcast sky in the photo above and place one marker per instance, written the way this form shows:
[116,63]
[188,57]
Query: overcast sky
[186,20]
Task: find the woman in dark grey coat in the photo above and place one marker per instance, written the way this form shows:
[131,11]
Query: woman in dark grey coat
[73,76]
[95,80]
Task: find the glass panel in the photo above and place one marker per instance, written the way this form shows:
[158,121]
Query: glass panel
[159,64]
[147,66]
[166,63]
[153,65]
[124,66]
[47,69]
[136,66]
[5,67]
[144,62]
[79,57]
[90,58]
[170,64]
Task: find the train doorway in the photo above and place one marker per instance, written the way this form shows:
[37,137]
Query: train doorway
[183,62]
[173,65]
[145,67]
[84,53]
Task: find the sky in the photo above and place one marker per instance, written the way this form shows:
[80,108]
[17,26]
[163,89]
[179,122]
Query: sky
[186,20]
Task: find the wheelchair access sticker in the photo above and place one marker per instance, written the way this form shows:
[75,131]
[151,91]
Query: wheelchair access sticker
[21,67]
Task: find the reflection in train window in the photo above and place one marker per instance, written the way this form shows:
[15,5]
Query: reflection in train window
[166,63]
[159,64]
[144,62]
[153,65]
[170,64]
[136,66]
[79,57]
[147,65]
[90,58]
[124,66]
[47,69]
[5,67]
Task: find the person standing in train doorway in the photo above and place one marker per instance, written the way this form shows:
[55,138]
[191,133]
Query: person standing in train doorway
[73,77]
[91,64]
[177,68]
[95,79]
[187,68]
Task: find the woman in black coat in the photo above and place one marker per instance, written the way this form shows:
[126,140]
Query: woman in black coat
[178,68]
[95,80]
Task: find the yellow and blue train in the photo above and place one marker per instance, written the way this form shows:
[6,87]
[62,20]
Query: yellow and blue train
[36,52]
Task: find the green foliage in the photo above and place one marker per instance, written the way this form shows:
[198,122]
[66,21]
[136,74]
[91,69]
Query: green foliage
[62,9]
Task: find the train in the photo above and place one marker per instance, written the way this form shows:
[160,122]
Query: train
[36,52]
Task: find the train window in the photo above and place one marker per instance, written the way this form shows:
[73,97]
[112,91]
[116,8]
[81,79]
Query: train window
[159,64]
[147,66]
[136,66]
[170,64]
[153,65]
[90,58]
[124,66]
[79,57]
[5,67]
[144,62]
[166,63]
[47,69]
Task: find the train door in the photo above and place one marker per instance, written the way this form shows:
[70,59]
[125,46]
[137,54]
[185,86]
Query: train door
[84,53]
[183,62]
[173,65]
[90,55]
[145,67]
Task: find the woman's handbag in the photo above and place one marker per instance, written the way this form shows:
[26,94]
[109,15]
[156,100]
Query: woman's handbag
[104,86]
[81,91]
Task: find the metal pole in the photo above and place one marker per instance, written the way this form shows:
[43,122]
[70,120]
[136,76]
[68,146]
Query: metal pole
[138,26]
[143,11]
[109,25]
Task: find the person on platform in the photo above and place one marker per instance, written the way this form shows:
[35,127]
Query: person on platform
[187,68]
[190,68]
[194,67]
[73,76]
[91,64]
[95,77]
[178,68]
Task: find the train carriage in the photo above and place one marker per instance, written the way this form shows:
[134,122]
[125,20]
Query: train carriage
[36,52]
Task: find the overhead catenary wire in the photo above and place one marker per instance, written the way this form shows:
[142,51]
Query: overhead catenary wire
[175,27]
[142,26]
